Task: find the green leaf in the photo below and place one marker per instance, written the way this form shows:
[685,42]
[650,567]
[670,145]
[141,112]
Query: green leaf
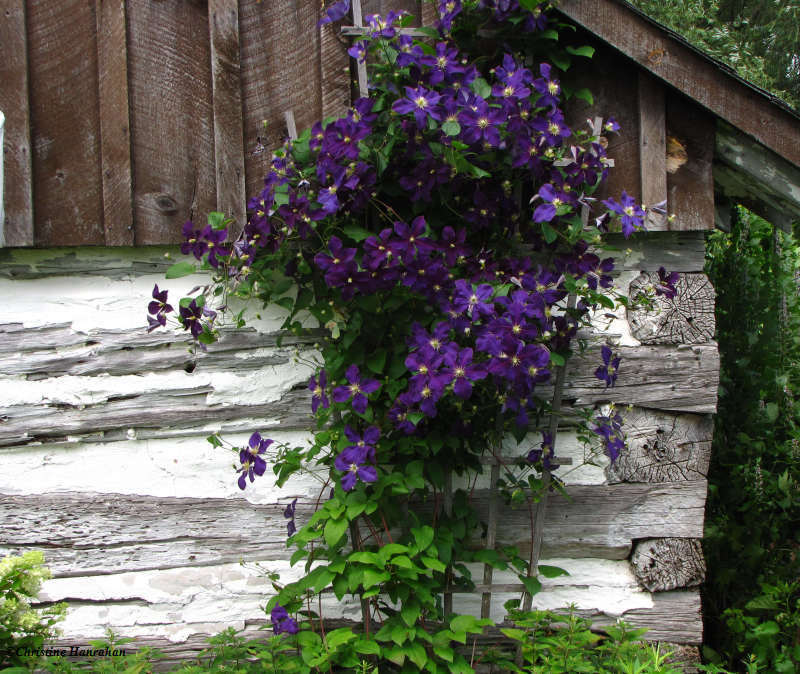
[586,51]
[549,233]
[772,410]
[409,613]
[468,623]
[433,564]
[374,577]
[557,359]
[356,233]
[216,220]
[367,647]
[417,654]
[334,530]
[402,562]
[451,128]
[561,61]
[366,557]
[423,537]
[584,94]
[180,269]
[376,361]
[444,652]
[552,571]
[338,637]
[481,87]
[529,4]
[532,585]
[549,34]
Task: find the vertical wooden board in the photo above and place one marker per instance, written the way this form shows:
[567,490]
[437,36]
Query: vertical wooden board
[691,133]
[223,22]
[171,117]
[18,185]
[334,72]
[281,70]
[65,123]
[652,146]
[115,139]
[427,13]
[612,82]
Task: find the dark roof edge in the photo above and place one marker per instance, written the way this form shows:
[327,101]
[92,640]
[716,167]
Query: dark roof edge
[728,70]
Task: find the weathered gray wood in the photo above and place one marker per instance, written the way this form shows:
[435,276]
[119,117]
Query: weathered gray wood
[115,126]
[88,534]
[57,350]
[663,447]
[682,379]
[669,563]
[687,318]
[652,146]
[676,251]
[15,104]
[674,618]
[746,170]
[223,24]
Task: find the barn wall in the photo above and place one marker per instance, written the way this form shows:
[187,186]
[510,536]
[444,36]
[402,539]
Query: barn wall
[106,466]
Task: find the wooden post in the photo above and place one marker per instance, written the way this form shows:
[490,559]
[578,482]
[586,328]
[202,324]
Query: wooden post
[115,125]
[652,146]
[223,23]
[15,103]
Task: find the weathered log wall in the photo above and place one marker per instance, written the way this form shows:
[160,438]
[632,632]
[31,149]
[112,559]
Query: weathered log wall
[106,466]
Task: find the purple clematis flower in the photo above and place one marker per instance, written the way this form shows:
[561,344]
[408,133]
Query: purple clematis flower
[281,622]
[544,453]
[336,12]
[358,389]
[631,213]
[159,308]
[252,463]
[607,372]
[609,428]
[317,388]
[421,102]
[353,462]
[288,513]
[665,287]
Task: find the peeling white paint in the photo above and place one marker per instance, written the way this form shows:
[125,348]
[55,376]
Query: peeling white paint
[180,602]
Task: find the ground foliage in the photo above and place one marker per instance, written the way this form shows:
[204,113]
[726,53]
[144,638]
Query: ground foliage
[752,596]
[760,39]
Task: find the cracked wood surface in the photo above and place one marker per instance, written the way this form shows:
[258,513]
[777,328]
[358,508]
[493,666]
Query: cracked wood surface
[669,563]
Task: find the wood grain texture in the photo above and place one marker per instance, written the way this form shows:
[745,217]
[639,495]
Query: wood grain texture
[609,77]
[223,24]
[691,187]
[712,85]
[682,379]
[687,318]
[169,64]
[14,102]
[655,376]
[65,123]
[97,534]
[747,171]
[674,619]
[652,146]
[115,138]
[663,447]
[281,70]
[669,563]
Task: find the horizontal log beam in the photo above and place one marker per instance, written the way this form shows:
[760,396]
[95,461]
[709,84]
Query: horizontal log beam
[96,534]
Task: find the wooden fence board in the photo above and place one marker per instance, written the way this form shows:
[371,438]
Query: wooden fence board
[223,21]
[652,146]
[281,70]
[65,125]
[692,130]
[115,140]
[14,102]
[171,117]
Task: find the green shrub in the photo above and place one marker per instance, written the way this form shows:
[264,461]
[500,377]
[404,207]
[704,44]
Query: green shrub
[24,630]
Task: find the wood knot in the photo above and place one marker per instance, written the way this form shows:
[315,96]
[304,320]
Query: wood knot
[166,204]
